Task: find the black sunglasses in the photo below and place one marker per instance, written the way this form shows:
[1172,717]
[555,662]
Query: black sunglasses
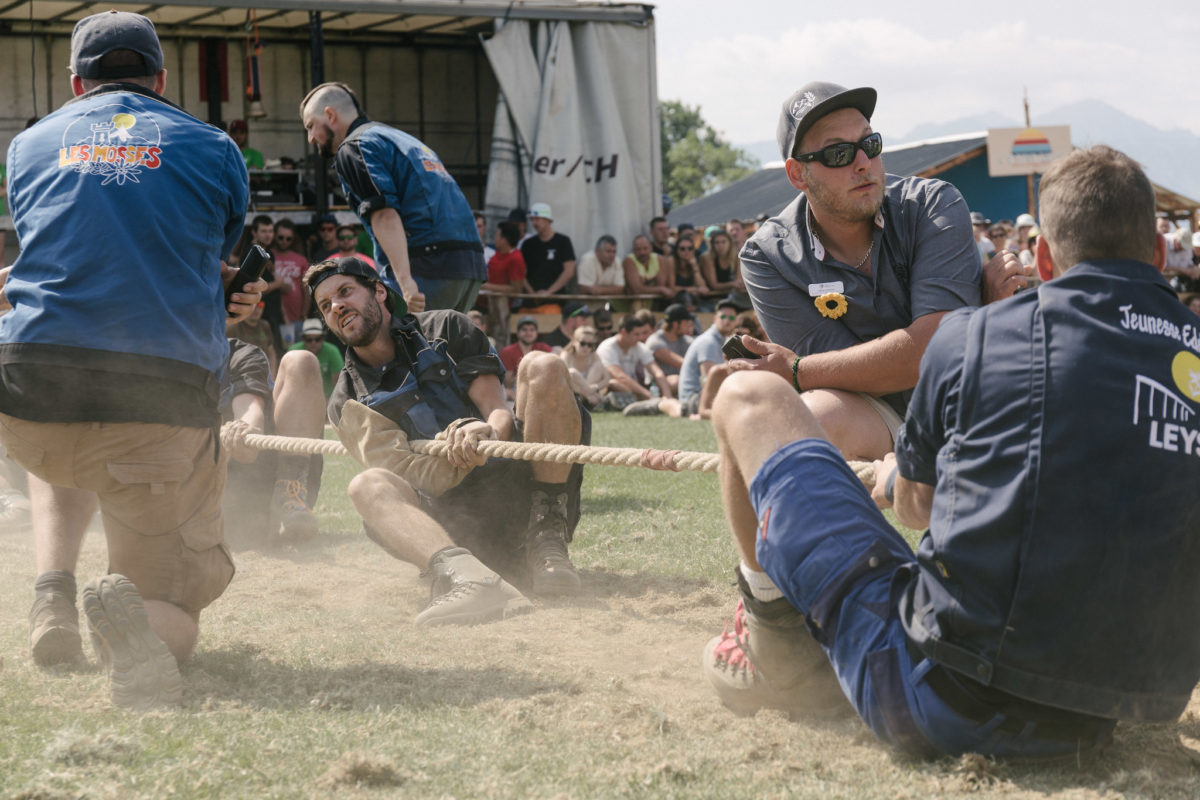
[842,154]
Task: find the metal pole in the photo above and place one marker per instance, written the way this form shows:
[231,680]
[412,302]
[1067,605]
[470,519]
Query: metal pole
[316,42]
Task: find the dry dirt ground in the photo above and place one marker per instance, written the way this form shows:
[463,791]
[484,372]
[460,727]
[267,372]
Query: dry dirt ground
[310,680]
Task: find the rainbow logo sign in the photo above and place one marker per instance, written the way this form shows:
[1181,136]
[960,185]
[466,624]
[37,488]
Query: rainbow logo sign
[1031,142]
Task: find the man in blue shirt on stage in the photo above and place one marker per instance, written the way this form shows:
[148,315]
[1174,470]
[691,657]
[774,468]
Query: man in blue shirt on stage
[426,244]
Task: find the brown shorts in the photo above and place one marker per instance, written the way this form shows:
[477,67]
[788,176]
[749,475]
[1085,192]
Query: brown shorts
[160,498]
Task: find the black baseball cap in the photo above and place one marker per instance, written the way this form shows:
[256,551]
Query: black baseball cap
[96,36]
[352,265]
[677,312]
[573,308]
[812,101]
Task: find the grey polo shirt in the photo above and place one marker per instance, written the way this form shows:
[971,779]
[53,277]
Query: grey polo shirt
[924,260]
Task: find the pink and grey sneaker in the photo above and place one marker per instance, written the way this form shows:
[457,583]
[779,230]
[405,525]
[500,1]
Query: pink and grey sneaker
[756,664]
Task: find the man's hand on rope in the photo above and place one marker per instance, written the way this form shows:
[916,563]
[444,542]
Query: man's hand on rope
[883,470]
[464,436]
[233,440]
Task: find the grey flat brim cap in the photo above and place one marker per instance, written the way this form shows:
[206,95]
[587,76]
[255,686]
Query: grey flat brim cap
[96,36]
[812,101]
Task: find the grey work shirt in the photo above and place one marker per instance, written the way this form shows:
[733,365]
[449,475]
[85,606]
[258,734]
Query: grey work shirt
[924,260]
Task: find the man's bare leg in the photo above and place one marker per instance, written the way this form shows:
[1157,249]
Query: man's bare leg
[765,657]
[299,401]
[60,519]
[549,412]
[464,590]
[547,407]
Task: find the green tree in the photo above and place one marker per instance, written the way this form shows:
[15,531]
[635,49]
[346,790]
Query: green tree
[696,159]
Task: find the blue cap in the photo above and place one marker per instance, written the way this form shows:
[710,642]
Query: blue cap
[96,36]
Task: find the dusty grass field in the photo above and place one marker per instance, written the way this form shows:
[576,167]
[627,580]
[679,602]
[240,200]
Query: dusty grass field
[310,681]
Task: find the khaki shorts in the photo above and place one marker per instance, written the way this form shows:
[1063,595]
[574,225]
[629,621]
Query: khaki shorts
[160,498]
[890,417]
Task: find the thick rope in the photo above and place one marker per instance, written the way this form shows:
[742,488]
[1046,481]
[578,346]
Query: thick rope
[649,458]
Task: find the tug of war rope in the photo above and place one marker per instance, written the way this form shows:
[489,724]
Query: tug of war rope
[649,458]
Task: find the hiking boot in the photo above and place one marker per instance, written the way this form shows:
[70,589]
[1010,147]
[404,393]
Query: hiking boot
[465,592]
[142,673]
[15,512]
[291,500]
[54,629]
[768,659]
[643,408]
[550,568]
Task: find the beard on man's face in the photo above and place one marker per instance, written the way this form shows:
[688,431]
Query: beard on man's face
[325,148]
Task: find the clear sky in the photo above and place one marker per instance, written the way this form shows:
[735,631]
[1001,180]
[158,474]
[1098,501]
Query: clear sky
[931,60]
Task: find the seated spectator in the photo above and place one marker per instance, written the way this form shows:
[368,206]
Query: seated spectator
[687,270]
[481,226]
[506,269]
[324,244]
[328,357]
[747,324]
[549,257]
[737,232]
[1192,301]
[599,272]
[239,131]
[574,314]
[257,331]
[527,334]
[703,356]
[476,317]
[998,241]
[622,355]
[603,320]
[589,378]
[720,266]
[660,236]
[646,272]
[290,266]
[347,245]
[669,344]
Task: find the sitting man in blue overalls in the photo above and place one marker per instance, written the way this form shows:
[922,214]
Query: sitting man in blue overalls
[1051,451]
[435,375]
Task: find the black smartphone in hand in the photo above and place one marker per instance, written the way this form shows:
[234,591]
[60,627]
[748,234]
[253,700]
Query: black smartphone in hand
[733,348]
[252,268]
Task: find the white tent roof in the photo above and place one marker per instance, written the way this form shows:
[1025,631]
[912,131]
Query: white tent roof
[403,17]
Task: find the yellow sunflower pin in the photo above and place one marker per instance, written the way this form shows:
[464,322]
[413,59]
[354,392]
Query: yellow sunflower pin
[831,305]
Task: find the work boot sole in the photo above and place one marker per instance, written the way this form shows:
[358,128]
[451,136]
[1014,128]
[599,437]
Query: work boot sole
[142,672]
[737,687]
[299,526]
[54,632]
[475,604]
[556,583]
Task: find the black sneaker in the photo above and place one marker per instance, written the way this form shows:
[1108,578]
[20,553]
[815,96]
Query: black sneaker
[54,630]
[465,592]
[142,673]
[550,568]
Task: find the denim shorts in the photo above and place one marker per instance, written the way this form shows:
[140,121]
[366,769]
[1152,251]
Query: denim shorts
[836,558]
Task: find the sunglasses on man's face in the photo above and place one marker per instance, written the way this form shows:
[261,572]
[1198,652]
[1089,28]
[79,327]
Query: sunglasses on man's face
[282,238]
[350,238]
[727,316]
[587,344]
[842,154]
[313,338]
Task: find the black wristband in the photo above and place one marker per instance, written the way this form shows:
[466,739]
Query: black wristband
[889,486]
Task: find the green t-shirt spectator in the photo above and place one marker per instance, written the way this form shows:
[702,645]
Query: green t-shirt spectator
[252,157]
[331,364]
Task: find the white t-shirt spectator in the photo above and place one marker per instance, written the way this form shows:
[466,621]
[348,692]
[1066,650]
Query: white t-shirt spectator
[588,272]
[611,355]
